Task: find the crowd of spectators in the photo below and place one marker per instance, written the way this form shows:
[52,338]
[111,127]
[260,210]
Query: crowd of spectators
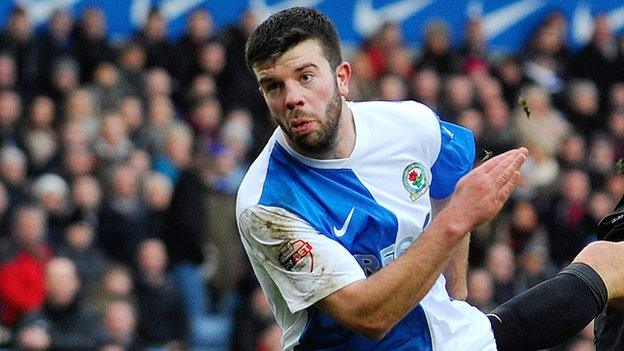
[120,162]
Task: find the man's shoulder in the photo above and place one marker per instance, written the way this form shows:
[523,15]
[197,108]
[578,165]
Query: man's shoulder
[393,110]
[251,187]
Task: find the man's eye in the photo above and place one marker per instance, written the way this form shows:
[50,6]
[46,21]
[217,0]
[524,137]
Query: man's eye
[271,87]
[306,77]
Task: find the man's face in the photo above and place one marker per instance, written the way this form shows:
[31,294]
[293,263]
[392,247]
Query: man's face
[304,95]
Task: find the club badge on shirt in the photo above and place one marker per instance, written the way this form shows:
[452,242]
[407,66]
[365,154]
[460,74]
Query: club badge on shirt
[296,255]
[415,180]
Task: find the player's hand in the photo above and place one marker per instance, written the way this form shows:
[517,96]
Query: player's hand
[480,194]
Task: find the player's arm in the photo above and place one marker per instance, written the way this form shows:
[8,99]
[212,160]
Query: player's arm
[457,267]
[375,305]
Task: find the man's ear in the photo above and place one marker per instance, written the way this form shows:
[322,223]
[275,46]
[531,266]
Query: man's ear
[343,73]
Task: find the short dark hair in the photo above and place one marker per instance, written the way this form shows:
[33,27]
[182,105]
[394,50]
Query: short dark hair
[285,29]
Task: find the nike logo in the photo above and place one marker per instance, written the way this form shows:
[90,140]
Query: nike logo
[262,10]
[498,21]
[368,19]
[40,11]
[343,230]
[583,22]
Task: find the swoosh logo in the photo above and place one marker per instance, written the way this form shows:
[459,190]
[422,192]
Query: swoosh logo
[343,230]
[498,21]
[368,19]
[262,10]
[40,11]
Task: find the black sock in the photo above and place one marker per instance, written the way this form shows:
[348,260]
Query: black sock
[550,312]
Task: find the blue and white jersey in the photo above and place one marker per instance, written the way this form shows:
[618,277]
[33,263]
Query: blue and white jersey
[311,227]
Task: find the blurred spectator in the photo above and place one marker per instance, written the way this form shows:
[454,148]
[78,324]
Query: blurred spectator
[17,39]
[600,60]
[252,318]
[119,327]
[82,108]
[78,161]
[66,321]
[425,87]
[572,152]
[473,49]
[500,133]
[64,78]
[184,238]
[437,54]
[55,42]
[583,103]
[500,263]
[534,265]
[178,152]
[567,219]
[108,88]
[601,161]
[458,97]
[545,128]
[157,190]
[237,133]
[158,83]
[162,320]
[91,46]
[79,246]
[22,278]
[389,36]
[123,219]
[153,37]
[363,82]
[481,289]
[160,118]
[13,172]
[509,73]
[86,195]
[547,57]
[133,115]
[52,194]
[199,30]
[115,284]
[205,118]
[37,136]
[392,88]
[10,114]
[525,226]
[113,146]
[131,61]
[8,71]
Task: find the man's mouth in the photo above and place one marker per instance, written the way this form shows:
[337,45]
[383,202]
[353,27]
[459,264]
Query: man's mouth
[301,126]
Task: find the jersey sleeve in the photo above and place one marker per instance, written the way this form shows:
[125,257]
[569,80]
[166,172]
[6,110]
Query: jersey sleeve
[455,159]
[305,265]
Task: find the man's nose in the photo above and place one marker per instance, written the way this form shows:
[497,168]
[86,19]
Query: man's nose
[295,96]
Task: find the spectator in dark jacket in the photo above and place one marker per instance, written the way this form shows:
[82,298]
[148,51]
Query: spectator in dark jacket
[162,319]
[67,322]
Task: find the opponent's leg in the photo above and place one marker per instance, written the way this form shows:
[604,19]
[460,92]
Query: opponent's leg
[607,259]
[550,312]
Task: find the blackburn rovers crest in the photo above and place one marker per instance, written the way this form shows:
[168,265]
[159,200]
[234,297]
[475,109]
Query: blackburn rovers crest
[415,180]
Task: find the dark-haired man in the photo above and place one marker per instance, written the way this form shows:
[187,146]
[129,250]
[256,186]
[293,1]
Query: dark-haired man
[336,215]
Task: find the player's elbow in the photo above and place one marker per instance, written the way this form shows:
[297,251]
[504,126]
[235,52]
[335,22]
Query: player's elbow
[373,329]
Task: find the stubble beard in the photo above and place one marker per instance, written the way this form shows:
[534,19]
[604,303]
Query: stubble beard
[324,139]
